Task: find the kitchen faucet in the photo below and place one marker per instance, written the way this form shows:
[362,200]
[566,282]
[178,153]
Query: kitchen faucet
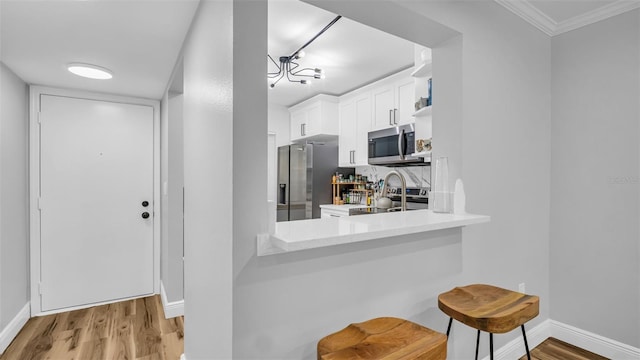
[403,196]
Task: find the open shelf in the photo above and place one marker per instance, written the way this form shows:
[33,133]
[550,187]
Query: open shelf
[422,154]
[425,111]
[423,70]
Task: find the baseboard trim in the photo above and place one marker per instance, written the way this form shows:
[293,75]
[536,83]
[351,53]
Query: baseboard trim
[13,328]
[593,342]
[514,349]
[171,309]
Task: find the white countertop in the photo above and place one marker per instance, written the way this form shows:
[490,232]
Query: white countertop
[309,234]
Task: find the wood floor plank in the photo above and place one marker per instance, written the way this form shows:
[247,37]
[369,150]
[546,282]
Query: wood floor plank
[554,349]
[147,328]
[128,330]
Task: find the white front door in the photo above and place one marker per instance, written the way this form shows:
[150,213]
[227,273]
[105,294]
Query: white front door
[96,170]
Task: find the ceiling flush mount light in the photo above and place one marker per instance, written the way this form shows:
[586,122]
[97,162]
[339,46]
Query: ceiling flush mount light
[288,66]
[90,71]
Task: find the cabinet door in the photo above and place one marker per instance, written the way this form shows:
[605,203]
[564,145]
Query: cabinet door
[347,137]
[313,126]
[405,104]
[363,120]
[383,104]
[298,121]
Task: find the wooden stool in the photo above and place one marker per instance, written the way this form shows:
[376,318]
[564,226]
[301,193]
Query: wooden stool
[489,308]
[384,338]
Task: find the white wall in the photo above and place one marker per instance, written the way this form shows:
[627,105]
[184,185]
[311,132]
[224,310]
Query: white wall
[172,173]
[14,218]
[284,304]
[278,123]
[594,255]
[208,159]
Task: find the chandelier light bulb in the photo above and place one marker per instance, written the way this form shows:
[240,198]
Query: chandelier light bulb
[301,54]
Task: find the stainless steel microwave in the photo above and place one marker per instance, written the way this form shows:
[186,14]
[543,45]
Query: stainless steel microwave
[394,146]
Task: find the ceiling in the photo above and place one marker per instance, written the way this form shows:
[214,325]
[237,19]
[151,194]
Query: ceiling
[559,16]
[351,54]
[139,41]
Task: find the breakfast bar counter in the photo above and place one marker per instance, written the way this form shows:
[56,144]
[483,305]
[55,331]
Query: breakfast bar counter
[316,233]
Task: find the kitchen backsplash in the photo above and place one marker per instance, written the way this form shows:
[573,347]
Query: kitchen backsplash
[415,176]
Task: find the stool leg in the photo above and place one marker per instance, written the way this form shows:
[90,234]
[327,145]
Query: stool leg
[477,344]
[526,345]
[449,327]
[491,345]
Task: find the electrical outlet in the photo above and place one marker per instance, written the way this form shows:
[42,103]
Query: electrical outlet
[521,288]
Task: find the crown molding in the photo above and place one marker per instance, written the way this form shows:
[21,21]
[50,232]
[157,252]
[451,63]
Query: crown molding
[601,13]
[531,14]
[544,23]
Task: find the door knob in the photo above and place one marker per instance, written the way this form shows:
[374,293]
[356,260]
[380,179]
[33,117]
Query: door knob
[145,215]
[145,203]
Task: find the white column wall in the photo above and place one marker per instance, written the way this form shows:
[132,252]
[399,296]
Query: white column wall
[208,180]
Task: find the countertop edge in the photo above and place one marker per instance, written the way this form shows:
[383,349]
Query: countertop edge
[269,244]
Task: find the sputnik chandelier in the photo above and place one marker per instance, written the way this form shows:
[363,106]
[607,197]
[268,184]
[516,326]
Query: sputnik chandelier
[289,67]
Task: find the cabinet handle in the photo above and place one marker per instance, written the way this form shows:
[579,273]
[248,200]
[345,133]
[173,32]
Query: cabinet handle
[302,130]
[395,119]
[390,121]
[352,156]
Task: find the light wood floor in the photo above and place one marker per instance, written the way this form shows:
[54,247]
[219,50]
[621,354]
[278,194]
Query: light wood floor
[554,349]
[137,330]
[131,330]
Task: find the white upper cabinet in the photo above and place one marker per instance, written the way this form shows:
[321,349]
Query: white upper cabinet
[393,100]
[355,123]
[314,119]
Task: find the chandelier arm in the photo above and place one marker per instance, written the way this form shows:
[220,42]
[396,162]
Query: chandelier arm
[295,73]
[274,62]
[288,78]
[275,82]
[315,37]
[274,74]
[291,68]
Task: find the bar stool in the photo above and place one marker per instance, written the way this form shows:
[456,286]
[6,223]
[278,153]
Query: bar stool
[385,338]
[490,309]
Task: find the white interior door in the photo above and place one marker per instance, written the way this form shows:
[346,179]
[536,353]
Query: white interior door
[96,170]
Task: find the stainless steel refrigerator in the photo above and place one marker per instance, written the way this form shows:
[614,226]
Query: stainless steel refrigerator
[304,179]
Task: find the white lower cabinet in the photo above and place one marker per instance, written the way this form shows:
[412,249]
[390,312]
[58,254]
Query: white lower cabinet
[329,213]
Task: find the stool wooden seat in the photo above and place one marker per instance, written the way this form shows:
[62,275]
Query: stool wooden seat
[490,309]
[385,338]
